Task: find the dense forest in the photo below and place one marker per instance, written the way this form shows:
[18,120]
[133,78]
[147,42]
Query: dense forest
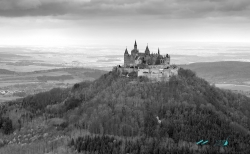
[6,125]
[136,115]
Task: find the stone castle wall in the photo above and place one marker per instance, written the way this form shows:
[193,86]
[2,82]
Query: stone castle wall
[128,60]
[156,74]
[123,70]
[167,60]
[158,66]
[174,71]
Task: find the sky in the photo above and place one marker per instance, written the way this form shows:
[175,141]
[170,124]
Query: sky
[120,22]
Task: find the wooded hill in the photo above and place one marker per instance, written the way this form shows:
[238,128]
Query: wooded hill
[189,110]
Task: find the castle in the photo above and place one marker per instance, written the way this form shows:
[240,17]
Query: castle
[140,60]
[152,65]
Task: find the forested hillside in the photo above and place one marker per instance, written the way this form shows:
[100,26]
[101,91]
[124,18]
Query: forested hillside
[135,115]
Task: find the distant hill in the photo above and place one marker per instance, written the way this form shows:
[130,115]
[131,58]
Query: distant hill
[4,71]
[86,72]
[54,78]
[219,72]
[162,117]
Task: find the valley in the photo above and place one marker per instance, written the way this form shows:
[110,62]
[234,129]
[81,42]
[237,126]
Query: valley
[20,84]
[232,75]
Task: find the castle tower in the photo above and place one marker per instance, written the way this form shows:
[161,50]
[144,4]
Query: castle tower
[126,58]
[135,46]
[135,51]
[126,51]
[147,52]
[167,59]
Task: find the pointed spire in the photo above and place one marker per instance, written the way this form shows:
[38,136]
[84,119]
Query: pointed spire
[147,50]
[158,51]
[126,51]
[135,46]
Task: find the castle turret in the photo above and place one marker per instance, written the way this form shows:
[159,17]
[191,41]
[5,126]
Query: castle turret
[126,52]
[167,59]
[135,46]
[147,52]
[126,58]
[135,51]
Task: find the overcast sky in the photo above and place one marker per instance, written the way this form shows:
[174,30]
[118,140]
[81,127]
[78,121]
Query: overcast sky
[109,22]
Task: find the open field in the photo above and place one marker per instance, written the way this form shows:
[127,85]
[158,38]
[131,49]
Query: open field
[20,84]
[243,89]
[222,72]
[234,87]
[7,98]
[230,75]
[26,71]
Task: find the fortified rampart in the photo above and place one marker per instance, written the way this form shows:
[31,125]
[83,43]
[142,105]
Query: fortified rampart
[153,73]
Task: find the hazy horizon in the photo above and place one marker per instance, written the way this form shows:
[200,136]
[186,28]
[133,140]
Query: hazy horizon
[105,57]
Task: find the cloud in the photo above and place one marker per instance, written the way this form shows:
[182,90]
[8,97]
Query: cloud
[120,8]
[18,4]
